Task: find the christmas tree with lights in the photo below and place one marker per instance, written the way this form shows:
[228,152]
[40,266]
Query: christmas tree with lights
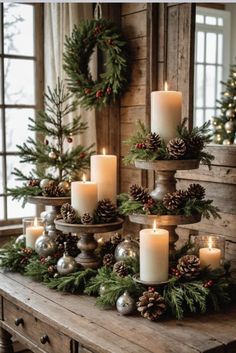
[225,125]
[55,161]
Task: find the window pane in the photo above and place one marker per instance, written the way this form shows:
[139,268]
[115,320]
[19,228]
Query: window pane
[17,127]
[1,175]
[200,46]
[199,94]
[19,81]
[211,48]
[209,114]
[1,209]
[199,118]
[18,29]
[14,162]
[220,49]
[219,79]
[15,209]
[210,86]
[210,20]
[199,18]
[220,21]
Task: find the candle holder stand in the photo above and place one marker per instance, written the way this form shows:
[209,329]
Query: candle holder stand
[155,284]
[165,182]
[87,243]
[51,215]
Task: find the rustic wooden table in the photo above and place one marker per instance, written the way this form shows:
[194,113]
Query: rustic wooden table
[49,321]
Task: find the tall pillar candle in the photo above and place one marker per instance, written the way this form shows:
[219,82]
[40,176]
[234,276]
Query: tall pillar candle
[32,233]
[84,196]
[104,173]
[154,255]
[166,110]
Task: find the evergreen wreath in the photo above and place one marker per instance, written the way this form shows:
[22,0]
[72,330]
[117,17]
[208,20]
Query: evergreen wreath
[78,50]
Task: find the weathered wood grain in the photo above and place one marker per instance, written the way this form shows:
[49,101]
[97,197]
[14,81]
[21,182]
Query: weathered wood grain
[134,95]
[138,47]
[130,115]
[138,73]
[224,155]
[132,8]
[129,176]
[134,25]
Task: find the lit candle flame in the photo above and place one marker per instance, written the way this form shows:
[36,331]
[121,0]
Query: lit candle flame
[84,178]
[154,227]
[166,86]
[35,222]
[103,151]
[210,243]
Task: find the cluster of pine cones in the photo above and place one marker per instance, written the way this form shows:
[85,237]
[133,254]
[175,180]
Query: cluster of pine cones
[106,212]
[152,142]
[140,194]
[68,243]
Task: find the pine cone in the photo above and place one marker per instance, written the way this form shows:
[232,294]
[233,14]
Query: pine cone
[33,182]
[68,213]
[116,239]
[52,270]
[106,211]
[176,148]
[195,144]
[138,193]
[108,260]
[196,191]
[151,305]
[153,141]
[71,244]
[86,219]
[53,190]
[173,201]
[189,266]
[121,269]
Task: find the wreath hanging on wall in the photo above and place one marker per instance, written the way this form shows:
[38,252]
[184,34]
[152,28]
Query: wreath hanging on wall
[78,50]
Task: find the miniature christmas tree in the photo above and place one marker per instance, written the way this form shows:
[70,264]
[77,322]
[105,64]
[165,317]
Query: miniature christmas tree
[55,165]
[225,124]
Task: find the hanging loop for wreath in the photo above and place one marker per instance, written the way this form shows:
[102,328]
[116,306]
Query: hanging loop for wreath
[98,11]
[78,50]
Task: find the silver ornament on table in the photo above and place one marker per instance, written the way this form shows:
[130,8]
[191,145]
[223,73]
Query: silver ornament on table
[21,240]
[45,245]
[230,113]
[125,304]
[44,183]
[230,126]
[65,185]
[126,249]
[52,155]
[66,264]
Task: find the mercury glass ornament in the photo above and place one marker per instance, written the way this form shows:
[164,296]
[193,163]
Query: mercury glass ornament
[230,113]
[126,249]
[66,264]
[230,126]
[65,185]
[20,240]
[44,183]
[45,245]
[125,304]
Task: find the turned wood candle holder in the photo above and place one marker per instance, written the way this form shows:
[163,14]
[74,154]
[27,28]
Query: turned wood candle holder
[165,182]
[87,243]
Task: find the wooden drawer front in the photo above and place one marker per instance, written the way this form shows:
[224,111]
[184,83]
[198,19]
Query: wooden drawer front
[33,329]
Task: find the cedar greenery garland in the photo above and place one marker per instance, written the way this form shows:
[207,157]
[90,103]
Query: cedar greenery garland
[78,50]
[187,145]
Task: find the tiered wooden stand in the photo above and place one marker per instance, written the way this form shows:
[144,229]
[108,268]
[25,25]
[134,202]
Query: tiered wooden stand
[165,182]
[87,243]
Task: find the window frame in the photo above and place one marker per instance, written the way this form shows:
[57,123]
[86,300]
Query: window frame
[39,88]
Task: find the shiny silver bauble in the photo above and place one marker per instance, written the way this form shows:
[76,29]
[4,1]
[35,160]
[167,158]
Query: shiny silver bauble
[20,240]
[64,185]
[230,113]
[44,183]
[50,216]
[45,246]
[125,304]
[126,249]
[66,264]
[230,126]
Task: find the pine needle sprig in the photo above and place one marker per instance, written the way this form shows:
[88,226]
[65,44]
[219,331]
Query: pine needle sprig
[38,270]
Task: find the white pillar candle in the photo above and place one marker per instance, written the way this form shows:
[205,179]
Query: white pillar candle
[104,173]
[84,196]
[154,255]
[32,233]
[166,110]
[210,256]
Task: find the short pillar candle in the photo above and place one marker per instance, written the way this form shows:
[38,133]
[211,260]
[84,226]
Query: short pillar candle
[33,230]
[84,196]
[210,256]
[154,255]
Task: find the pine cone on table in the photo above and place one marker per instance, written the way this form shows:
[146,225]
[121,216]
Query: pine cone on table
[68,213]
[151,305]
[108,260]
[173,201]
[52,269]
[86,219]
[53,190]
[138,193]
[116,239]
[153,141]
[196,191]
[106,212]
[189,266]
[176,148]
[121,269]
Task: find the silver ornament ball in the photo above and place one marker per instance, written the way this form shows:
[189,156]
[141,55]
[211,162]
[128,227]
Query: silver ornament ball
[126,249]
[125,304]
[65,185]
[230,113]
[230,126]
[66,264]
[20,240]
[52,155]
[45,245]
[44,183]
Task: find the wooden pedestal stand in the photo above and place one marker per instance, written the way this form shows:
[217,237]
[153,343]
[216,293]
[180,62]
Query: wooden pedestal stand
[54,213]
[87,243]
[165,182]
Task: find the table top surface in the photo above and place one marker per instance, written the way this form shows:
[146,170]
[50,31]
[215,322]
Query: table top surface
[106,331]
